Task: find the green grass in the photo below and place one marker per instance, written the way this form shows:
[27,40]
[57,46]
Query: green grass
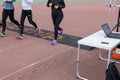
[36,1]
[75,0]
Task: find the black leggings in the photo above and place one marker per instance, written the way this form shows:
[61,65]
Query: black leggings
[56,21]
[27,13]
[5,14]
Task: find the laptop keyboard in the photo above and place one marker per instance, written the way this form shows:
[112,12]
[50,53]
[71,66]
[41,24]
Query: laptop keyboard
[114,35]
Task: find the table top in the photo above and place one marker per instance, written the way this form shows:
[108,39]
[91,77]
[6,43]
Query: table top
[99,40]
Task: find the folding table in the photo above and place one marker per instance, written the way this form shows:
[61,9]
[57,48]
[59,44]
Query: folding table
[100,41]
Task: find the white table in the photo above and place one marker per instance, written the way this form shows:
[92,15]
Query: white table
[95,40]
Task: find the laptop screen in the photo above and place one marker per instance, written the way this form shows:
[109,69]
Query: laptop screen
[106,29]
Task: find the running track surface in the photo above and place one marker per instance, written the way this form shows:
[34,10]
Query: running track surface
[35,59]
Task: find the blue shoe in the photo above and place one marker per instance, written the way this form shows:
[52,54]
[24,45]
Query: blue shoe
[61,31]
[54,42]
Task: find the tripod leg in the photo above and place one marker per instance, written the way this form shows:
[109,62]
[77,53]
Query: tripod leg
[114,28]
[118,23]
[117,27]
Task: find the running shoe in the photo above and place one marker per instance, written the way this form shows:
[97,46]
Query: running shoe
[54,42]
[61,31]
[37,31]
[2,34]
[19,36]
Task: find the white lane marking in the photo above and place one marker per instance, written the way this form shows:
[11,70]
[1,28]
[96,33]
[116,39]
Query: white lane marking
[34,63]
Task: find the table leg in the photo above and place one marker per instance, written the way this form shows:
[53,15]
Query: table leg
[101,58]
[109,55]
[100,55]
[78,63]
[108,59]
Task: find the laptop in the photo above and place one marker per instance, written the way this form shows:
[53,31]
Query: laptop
[108,32]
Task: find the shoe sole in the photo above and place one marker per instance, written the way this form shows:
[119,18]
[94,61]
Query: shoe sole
[2,35]
[53,44]
[19,38]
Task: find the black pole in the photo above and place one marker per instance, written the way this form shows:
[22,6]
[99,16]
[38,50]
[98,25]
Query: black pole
[118,22]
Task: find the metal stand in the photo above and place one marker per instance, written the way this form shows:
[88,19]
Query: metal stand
[118,22]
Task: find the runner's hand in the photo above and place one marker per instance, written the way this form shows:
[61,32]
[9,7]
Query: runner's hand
[56,6]
[7,0]
[50,4]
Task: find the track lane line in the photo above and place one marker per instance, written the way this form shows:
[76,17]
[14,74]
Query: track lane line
[26,67]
